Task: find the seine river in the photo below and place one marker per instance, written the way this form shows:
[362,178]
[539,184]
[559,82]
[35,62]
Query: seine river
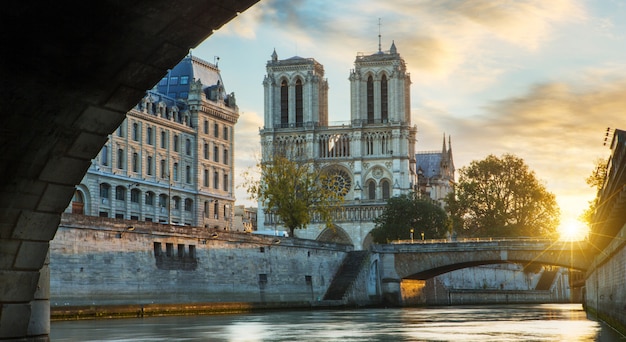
[546,322]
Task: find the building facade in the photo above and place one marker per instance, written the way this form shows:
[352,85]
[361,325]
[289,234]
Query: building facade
[171,160]
[373,154]
[435,173]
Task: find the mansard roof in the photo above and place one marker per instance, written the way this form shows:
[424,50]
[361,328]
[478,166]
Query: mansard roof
[195,69]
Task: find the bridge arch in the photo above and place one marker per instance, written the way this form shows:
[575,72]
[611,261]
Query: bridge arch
[66,94]
[335,234]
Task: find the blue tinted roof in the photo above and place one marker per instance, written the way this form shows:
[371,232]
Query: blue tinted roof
[191,68]
[429,162]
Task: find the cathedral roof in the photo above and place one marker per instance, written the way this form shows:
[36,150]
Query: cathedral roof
[429,163]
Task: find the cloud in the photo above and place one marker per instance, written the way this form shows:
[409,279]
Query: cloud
[556,127]
[247,151]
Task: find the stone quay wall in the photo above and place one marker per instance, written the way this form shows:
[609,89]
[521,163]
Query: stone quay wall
[104,262]
[605,286]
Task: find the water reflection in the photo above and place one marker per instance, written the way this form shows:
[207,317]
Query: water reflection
[552,322]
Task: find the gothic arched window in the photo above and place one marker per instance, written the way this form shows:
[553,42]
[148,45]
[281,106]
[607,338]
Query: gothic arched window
[299,105]
[371,190]
[385,187]
[284,103]
[384,100]
[370,99]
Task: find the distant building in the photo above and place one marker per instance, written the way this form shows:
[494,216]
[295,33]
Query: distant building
[372,156]
[245,219]
[171,160]
[435,173]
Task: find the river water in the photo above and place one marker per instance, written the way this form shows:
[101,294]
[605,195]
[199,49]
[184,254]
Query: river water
[540,322]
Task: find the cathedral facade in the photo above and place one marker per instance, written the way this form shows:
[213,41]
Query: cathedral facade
[373,155]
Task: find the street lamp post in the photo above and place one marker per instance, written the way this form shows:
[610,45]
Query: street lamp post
[411,235]
[422,236]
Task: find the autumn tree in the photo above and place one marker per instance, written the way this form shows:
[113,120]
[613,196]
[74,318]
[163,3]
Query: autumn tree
[295,190]
[596,181]
[501,197]
[406,212]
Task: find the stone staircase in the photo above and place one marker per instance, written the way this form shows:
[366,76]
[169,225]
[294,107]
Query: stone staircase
[346,275]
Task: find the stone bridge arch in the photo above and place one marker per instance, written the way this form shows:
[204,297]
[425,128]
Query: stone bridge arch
[422,261]
[70,72]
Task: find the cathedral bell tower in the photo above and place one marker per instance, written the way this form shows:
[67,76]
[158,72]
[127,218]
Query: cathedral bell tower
[296,93]
[380,88]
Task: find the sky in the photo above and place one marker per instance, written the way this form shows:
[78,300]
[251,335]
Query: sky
[542,80]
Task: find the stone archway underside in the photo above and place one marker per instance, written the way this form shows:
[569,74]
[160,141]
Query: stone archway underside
[69,73]
[335,234]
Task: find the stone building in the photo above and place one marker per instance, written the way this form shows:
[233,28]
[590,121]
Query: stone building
[171,160]
[373,154]
[435,173]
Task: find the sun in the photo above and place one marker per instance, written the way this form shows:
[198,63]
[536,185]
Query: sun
[573,230]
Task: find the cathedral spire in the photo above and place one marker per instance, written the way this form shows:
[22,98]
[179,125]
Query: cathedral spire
[274,56]
[444,149]
[379,42]
[393,49]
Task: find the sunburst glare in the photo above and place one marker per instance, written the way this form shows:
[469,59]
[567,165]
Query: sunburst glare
[573,230]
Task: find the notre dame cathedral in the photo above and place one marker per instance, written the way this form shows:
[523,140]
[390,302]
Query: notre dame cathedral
[373,155]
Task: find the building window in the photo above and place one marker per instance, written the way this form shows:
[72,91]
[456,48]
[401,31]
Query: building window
[206,177]
[385,188]
[206,151]
[104,155]
[216,208]
[225,159]
[135,162]
[184,80]
[163,139]
[284,103]
[120,131]
[188,147]
[134,195]
[163,201]
[216,179]
[206,209]
[176,203]
[163,169]
[120,193]
[120,158]
[149,135]
[225,182]
[176,172]
[163,81]
[384,110]
[216,130]
[104,190]
[174,80]
[149,198]
[135,131]
[225,133]
[206,127]
[188,174]
[176,142]
[299,105]
[370,99]
[188,204]
[371,190]
[216,154]
[149,165]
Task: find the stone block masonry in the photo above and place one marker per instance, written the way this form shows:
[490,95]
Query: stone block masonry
[97,262]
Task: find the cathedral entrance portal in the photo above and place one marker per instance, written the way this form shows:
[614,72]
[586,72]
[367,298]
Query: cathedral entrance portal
[335,234]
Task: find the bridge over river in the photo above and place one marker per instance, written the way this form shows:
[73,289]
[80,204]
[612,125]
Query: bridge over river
[426,259]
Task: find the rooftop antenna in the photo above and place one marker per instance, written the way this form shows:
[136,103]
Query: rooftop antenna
[216,59]
[379,47]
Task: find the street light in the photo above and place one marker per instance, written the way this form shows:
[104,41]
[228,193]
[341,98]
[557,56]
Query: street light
[411,235]
[422,236]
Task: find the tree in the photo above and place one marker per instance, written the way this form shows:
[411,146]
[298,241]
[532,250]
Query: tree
[501,197]
[406,212]
[295,190]
[595,180]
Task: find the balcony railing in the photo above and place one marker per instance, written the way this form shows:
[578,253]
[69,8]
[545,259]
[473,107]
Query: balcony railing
[349,213]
